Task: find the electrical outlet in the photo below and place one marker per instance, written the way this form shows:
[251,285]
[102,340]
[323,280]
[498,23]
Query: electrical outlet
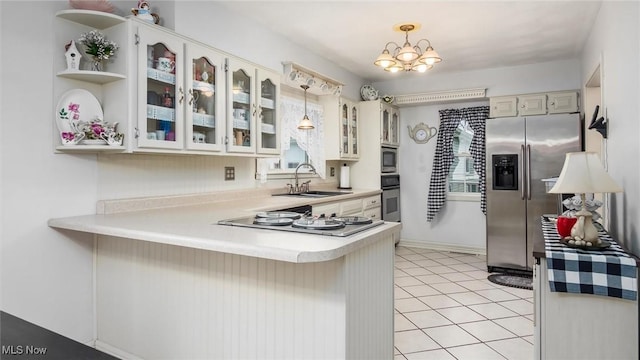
[332,170]
[229,173]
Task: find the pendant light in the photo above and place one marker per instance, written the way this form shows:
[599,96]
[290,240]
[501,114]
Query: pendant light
[305,123]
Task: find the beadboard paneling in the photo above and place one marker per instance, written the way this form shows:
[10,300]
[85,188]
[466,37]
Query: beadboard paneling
[159,301]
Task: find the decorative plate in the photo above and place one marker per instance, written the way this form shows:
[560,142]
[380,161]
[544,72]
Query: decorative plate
[74,106]
[368,93]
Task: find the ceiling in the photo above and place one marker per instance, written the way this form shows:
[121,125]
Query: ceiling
[467,34]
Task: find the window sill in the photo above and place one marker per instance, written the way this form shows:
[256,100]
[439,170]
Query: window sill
[471,197]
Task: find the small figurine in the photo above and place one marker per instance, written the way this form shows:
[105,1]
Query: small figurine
[143,12]
[73,56]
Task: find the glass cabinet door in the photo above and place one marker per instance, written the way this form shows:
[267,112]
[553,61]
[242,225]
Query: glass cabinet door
[204,122]
[160,90]
[268,139]
[386,118]
[354,131]
[344,136]
[393,131]
[241,108]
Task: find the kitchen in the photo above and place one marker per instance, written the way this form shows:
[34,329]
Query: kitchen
[46,275]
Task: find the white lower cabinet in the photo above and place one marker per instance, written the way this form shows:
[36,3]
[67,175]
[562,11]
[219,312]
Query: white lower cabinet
[581,326]
[368,206]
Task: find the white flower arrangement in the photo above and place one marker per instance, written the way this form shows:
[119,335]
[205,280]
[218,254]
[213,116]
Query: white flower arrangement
[97,45]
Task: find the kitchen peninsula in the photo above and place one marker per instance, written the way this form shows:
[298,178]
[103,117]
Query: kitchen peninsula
[172,283]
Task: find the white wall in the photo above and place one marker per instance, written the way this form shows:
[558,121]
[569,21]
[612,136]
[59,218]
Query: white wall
[460,224]
[615,38]
[46,275]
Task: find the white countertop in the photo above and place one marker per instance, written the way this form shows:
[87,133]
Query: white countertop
[183,223]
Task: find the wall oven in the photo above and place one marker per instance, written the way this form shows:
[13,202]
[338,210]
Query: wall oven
[389,159]
[390,197]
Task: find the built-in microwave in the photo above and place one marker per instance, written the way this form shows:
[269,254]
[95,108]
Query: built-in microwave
[389,159]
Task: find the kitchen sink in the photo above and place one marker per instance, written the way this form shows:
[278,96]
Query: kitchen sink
[316,194]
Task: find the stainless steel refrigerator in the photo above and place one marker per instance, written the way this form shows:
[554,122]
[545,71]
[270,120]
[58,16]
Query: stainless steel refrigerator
[520,152]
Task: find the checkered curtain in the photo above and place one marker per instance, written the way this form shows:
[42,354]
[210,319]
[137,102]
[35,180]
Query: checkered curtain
[443,158]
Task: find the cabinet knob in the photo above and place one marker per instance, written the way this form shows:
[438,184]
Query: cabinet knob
[552,103]
[181,95]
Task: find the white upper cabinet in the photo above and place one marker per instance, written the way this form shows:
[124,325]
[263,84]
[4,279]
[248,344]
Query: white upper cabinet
[390,123]
[562,102]
[341,128]
[268,114]
[534,104]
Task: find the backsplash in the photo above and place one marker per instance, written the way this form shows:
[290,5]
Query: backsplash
[139,175]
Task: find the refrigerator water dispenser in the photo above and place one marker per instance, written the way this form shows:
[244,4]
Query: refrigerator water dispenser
[505,172]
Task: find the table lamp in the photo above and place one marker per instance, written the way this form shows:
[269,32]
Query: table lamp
[583,173]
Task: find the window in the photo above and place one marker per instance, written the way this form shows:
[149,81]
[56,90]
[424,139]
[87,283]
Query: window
[462,177]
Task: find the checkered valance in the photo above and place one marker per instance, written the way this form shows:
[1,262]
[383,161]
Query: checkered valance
[607,272]
[443,158]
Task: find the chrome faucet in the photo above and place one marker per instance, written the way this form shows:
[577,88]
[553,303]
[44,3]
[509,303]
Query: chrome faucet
[305,185]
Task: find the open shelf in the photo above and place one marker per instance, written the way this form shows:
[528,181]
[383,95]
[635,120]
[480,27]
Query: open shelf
[96,77]
[96,19]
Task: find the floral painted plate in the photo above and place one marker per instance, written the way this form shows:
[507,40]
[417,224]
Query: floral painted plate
[74,106]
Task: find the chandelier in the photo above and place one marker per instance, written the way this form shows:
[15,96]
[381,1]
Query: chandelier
[407,57]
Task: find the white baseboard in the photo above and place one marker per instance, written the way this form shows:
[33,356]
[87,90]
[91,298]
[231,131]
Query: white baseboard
[114,351]
[443,247]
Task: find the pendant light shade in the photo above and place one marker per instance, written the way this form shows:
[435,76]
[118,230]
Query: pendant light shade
[305,123]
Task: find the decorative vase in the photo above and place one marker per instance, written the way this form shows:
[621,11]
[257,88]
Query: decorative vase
[97,64]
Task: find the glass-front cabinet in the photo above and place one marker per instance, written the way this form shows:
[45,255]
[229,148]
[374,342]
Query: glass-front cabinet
[204,106]
[349,129]
[252,108]
[390,119]
[241,106]
[161,93]
[268,114]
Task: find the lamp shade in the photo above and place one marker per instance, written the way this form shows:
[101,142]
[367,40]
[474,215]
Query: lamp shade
[305,124]
[583,173]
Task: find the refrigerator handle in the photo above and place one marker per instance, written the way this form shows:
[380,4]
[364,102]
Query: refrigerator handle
[522,173]
[529,172]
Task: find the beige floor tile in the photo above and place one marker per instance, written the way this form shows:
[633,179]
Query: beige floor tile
[469,298]
[410,280]
[399,357]
[492,310]
[528,338]
[521,293]
[487,330]
[413,341]
[421,290]
[475,352]
[417,271]
[432,279]
[460,314]
[396,351]
[440,354]
[496,295]
[448,261]
[403,250]
[479,275]
[412,257]
[436,255]
[450,335]
[427,319]
[470,259]
[400,294]
[456,276]
[399,273]
[462,267]
[440,269]
[522,307]
[405,264]
[410,304]
[427,262]
[513,349]
[448,288]
[518,325]
[439,301]
[475,285]
[401,323]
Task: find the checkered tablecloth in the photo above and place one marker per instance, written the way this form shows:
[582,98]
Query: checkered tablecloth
[608,272]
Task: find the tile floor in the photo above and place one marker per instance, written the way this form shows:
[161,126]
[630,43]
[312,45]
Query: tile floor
[447,309]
